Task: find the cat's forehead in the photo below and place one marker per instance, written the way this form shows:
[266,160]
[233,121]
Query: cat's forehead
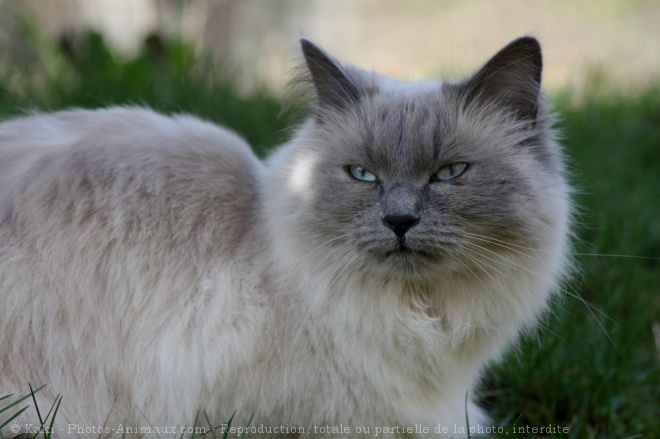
[403,124]
[387,86]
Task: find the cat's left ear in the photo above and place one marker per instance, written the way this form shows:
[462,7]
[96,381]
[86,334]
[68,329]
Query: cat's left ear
[511,78]
[333,87]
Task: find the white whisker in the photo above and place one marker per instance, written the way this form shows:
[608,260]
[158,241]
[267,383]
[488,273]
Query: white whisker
[475,275]
[490,238]
[350,256]
[574,293]
[505,245]
[605,255]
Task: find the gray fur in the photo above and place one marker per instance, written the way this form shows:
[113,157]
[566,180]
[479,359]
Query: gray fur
[151,266]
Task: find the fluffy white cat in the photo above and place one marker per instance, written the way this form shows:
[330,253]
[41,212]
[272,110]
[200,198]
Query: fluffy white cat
[151,267]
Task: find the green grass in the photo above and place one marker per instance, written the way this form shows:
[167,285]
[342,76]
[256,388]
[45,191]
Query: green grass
[594,366]
[15,406]
[83,72]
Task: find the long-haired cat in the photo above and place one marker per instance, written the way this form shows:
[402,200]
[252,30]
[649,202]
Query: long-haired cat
[152,268]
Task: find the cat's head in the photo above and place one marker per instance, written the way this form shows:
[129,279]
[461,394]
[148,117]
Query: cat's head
[417,179]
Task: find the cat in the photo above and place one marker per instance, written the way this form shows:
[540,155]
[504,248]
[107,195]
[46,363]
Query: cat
[356,284]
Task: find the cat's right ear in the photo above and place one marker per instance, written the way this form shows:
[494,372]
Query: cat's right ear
[333,88]
[512,78]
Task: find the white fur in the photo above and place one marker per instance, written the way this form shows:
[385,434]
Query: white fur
[186,287]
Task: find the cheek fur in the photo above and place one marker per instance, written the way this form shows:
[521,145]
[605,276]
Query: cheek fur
[344,205]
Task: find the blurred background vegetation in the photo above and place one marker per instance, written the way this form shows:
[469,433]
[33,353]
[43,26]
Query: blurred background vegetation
[256,40]
[595,365]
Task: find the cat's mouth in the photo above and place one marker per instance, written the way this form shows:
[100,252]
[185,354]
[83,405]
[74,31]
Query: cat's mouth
[405,251]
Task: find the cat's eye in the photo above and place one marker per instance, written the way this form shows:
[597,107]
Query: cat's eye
[359,173]
[450,171]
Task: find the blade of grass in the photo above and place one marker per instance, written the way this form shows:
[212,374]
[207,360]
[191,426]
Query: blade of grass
[211,427]
[225,435]
[467,418]
[52,420]
[16,415]
[53,407]
[13,404]
[247,426]
[195,425]
[36,406]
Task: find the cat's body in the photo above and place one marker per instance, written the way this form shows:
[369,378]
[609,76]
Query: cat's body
[151,267]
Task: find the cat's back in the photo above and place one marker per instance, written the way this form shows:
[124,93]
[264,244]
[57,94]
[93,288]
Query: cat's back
[119,228]
[130,173]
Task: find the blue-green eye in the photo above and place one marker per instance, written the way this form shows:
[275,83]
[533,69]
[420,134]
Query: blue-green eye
[359,173]
[450,171]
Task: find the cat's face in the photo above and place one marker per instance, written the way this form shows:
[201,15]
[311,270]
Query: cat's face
[410,177]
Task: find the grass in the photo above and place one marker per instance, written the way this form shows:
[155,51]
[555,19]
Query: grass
[45,428]
[83,72]
[594,368]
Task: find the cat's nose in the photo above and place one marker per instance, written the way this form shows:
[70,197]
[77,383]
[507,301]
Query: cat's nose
[400,224]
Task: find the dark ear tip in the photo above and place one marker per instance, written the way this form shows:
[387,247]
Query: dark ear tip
[311,50]
[528,47]
[308,45]
[526,40]
[512,77]
[527,44]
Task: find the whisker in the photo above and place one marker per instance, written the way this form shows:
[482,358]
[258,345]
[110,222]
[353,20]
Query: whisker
[504,244]
[479,264]
[350,256]
[574,293]
[590,305]
[474,274]
[490,238]
[478,255]
[546,329]
[605,255]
